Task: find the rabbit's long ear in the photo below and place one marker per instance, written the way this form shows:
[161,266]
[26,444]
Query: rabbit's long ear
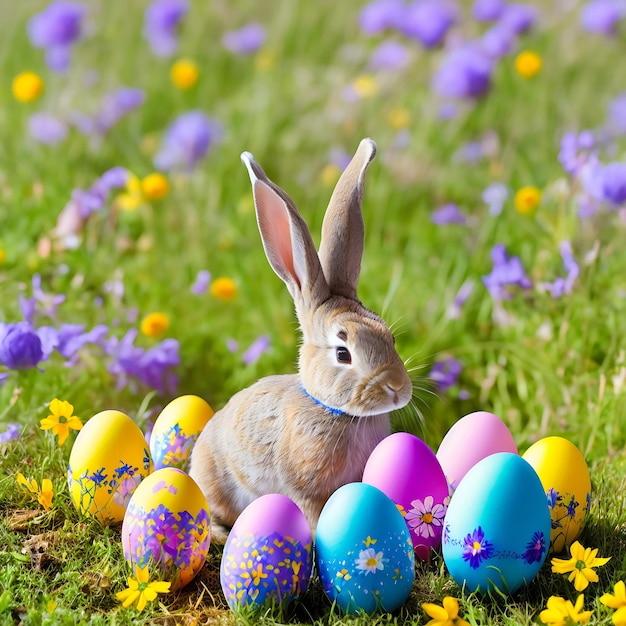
[286,239]
[341,248]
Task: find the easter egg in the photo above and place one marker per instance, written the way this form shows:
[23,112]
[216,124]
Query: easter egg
[176,429]
[472,438]
[167,526]
[564,475]
[497,527]
[364,551]
[404,468]
[108,460]
[267,560]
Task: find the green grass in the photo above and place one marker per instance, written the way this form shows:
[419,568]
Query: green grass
[553,370]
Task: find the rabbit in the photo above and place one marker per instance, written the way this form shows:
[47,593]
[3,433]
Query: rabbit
[305,435]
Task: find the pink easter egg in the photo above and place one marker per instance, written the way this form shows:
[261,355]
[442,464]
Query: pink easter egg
[404,468]
[471,439]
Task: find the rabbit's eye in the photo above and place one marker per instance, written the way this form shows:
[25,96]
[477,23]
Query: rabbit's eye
[343,355]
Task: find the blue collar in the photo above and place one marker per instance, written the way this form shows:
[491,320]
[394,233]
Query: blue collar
[328,409]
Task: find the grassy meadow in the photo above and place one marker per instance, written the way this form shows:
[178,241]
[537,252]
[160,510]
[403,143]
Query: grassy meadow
[548,362]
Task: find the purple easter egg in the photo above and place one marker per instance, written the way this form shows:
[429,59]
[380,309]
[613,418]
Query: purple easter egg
[404,468]
[267,558]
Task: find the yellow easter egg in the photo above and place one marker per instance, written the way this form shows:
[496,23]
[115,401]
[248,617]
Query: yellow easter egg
[176,430]
[167,527]
[109,458]
[564,475]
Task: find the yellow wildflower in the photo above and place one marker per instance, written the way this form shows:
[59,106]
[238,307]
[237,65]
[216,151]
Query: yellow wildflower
[132,197]
[527,63]
[446,615]
[3,257]
[527,199]
[155,186]
[140,590]
[44,495]
[399,118]
[223,288]
[329,175]
[617,600]
[184,74]
[581,565]
[61,420]
[561,612]
[154,324]
[365,86]
[265,61]
[27,87]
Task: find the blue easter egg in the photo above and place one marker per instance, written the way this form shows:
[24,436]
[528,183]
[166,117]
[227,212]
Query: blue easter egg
[497,527]
[364,550]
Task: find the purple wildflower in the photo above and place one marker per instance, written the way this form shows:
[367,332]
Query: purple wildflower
[161,21]
[113,107]
[428,21]
[389,55]
[187,141]
[562,286]
[48,303]
[339,157]
[201,284]
[535,548]
[614,183]
[11,433]
[494,197]
[518,17]
[56,29]
[254,352]
[20,347]
[487,10]
[601,16]
[381,15]
[575,150]
[232,346]
[153,367]
[247,40]
[445,373]
[448,214]
[46,128]
[507,272]
[476,548]
[464,292]
[464,73]
[498,41]
[617,115]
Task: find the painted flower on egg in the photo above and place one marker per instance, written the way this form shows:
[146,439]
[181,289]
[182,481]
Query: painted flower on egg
[535,549]
[369,561]
[426,515]
[476,548]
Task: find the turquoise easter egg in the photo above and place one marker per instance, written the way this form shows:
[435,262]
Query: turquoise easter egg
[497,527]
[364,551]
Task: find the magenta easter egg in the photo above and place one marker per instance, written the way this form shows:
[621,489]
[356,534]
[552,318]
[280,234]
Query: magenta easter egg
[404,468]
[267,558]
[471,439]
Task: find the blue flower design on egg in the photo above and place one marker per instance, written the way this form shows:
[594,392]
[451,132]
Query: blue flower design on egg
[535,548]
[476,548]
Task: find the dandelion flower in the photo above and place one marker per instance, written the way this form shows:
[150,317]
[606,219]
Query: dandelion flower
[579,566]
[224,288]
[27,87]
[44,495]
[617,600]
[140,590]
[155,186]
[154,324]
[184,74]
[527,199]
[61,420]
[527,64]
[446,615]
[561,612]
